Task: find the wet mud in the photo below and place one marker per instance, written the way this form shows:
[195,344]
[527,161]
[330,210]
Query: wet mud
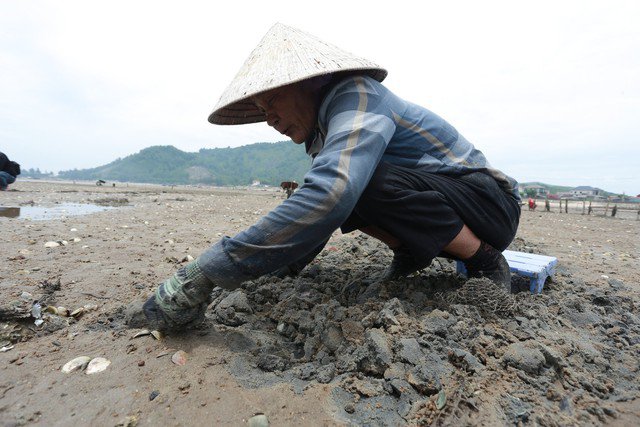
[390,350]
[334,345]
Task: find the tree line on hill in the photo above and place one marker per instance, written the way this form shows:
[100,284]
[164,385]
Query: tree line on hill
[269,163]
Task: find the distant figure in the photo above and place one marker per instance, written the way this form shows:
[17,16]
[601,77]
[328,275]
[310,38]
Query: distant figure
[547,205]
[532,204]
[9,170]
[100,182]
[289,187]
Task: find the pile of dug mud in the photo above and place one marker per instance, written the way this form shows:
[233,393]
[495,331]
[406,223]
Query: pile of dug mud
[397,352]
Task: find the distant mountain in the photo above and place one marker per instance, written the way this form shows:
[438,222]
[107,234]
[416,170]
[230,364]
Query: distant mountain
[269,163]
[555,189]
[552,188]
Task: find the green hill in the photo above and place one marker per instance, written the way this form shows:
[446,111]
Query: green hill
[269,163]
[553,189]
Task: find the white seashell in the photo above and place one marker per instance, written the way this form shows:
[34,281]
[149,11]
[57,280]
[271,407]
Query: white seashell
[76,239]
[98,364]
[179,358]
[62,311]
[142,333]
[90,307]
[77,313]
[157,335]
[77,364]
[258,420]
[51,244]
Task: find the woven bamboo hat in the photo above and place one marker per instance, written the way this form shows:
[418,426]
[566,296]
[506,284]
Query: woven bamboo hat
[284,55]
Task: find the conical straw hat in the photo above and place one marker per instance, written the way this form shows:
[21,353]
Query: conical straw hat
[284,55]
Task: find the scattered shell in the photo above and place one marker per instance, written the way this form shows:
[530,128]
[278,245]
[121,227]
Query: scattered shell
[179,358]
[441,400]
[187,258]
[51,309]
[38,322]
[77,313]
[74,229]
[64,242]
[157,335]
[259,420]
[130,421]
[162,354]
[77,364]
[90,307]
[142,333]
[98,364]
[36,311]
[76,239]
[51,244]
[62,311]
[6,348]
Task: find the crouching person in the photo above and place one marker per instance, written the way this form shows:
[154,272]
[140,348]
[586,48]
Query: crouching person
[382,165]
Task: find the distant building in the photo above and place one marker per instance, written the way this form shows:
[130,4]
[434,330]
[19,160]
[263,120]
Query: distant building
[539,190]
[586,191]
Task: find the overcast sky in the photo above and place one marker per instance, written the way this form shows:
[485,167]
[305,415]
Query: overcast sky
[548,90]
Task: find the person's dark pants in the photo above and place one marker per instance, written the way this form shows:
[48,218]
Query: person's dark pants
[6,179]
[426,211]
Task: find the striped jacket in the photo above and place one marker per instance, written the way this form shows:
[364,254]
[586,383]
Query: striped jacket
[360,123]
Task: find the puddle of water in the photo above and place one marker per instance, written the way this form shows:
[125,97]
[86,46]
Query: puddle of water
[41,213]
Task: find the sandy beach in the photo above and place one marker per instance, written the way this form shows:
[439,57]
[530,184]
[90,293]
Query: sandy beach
[333,346]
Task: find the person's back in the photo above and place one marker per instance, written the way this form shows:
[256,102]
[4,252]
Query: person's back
[9,170]
[420,139]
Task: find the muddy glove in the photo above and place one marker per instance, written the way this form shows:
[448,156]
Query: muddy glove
[490,263]
[403,264]
[180,301]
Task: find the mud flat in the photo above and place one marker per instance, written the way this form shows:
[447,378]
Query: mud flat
[331,346]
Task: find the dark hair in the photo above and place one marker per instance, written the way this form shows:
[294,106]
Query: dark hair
[13,168]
